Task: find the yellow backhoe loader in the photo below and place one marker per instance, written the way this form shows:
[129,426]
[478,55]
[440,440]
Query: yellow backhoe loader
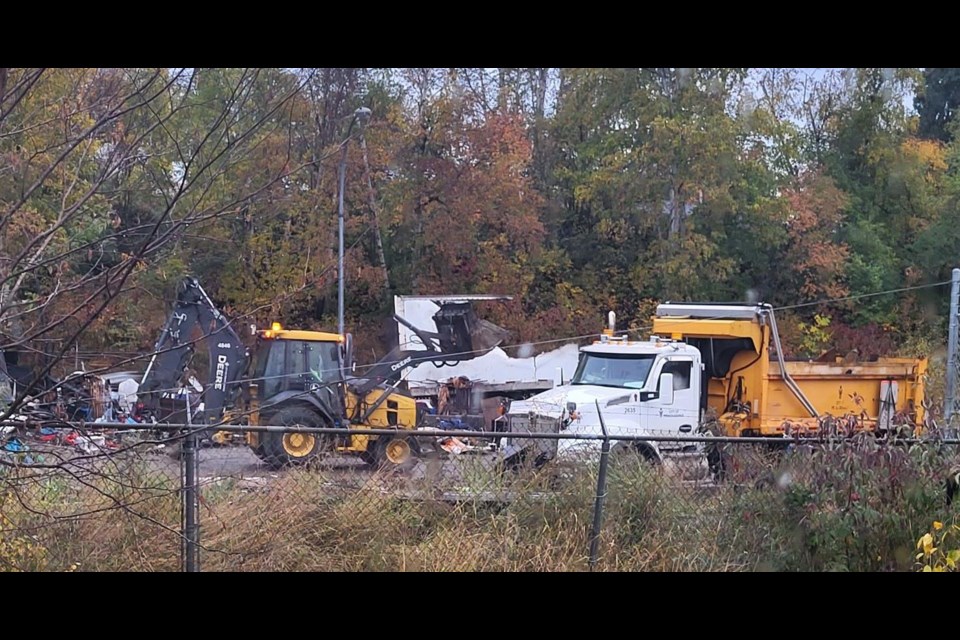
[307,379]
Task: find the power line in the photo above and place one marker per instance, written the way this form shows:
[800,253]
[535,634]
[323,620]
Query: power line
[862,295]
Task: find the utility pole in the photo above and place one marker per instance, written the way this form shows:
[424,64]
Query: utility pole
[372,199]
[190,506]
[361,115]
[953,358]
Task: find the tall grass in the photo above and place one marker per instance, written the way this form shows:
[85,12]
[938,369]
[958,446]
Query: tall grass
[829,508]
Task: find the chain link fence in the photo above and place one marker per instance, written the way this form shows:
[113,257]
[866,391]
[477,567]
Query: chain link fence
[136,499]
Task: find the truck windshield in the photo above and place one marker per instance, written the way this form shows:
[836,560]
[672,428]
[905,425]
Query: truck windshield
[613,370]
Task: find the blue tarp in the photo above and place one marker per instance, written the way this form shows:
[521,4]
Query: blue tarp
[15,446]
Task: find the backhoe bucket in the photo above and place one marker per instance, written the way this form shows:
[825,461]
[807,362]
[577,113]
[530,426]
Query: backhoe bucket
[465,334]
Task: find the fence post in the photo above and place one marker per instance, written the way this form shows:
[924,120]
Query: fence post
[601,493]
[190,506]
[953,358]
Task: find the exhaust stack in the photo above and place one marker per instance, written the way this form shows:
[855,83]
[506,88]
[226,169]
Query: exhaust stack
[611,326]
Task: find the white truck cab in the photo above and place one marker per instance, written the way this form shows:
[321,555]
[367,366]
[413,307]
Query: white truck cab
[642,388]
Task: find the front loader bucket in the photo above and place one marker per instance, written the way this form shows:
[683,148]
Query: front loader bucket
[463,333]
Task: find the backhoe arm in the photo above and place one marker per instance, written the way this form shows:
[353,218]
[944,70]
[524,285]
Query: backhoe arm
[228,356]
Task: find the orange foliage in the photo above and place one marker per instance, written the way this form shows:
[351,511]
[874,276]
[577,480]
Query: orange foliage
[930,153]
[814,255]
[477,208]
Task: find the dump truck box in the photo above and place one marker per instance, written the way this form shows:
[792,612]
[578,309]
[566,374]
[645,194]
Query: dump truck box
[882,394]
[755,391]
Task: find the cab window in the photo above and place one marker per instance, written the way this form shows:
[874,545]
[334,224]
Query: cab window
[681,374]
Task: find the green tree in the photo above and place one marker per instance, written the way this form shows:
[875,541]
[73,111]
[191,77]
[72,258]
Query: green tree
[657,185]
[937,102]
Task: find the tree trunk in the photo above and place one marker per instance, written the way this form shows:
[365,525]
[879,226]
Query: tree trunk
[374,212]
[3,85]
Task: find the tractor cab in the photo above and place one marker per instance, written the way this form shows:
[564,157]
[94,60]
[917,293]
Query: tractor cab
[298,361]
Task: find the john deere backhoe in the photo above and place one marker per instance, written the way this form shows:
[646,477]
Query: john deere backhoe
[300,378]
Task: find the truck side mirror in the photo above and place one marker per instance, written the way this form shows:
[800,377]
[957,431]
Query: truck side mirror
[666,388]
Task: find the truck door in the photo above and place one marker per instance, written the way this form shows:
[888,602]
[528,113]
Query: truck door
[675,413]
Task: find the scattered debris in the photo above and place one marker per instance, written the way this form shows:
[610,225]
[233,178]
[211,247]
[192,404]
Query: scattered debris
[17,450]
[451,423]
[453,396]
[453,445]
[14,445]
[90,444]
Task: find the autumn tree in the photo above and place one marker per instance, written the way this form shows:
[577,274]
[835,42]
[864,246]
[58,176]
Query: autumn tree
[575,190]
[813,255]
[108,171]
[466,212]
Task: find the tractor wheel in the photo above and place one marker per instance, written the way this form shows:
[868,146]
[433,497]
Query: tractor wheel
[291,448]
[204,437]
[392,452]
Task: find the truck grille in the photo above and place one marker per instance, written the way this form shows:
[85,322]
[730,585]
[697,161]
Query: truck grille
[535,448]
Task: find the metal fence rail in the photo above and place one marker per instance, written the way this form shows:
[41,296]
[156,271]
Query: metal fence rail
[162,497]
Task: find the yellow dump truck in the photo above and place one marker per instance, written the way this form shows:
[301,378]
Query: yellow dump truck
[718,368]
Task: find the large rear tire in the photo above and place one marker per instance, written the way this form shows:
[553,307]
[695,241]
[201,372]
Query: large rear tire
[291,448]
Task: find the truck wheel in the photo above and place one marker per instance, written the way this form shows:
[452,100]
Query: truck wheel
[718,457]
[291,448]
[628,457]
